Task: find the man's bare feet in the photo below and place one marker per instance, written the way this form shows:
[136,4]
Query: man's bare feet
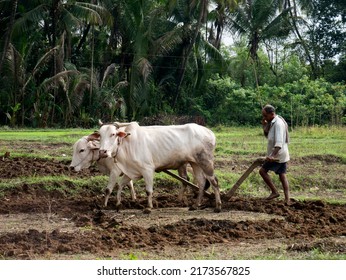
[287,202]
[272,196]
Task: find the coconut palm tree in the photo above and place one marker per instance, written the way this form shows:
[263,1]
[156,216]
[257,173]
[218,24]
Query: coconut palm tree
[219,18]
[19,73]
[258,21]
[57,20]
[296,20]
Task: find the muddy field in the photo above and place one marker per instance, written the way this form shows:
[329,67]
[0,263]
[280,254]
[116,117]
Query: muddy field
[37,222]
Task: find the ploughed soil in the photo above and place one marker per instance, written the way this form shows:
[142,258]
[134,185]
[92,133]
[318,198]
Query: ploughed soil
[55,221]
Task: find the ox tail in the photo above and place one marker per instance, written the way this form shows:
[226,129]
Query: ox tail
[206,185]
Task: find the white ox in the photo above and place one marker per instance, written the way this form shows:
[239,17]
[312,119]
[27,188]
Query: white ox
[86,151]
[151,149]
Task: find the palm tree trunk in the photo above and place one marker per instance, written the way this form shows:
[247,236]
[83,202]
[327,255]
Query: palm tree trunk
[83,39]
[9,32]
[293,13]
[203,11]
[92,65]
[54,18]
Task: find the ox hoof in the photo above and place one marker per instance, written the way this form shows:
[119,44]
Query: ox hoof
[217,210]
[147,211]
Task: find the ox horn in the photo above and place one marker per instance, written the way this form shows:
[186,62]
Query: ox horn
[100,123]
[118,124]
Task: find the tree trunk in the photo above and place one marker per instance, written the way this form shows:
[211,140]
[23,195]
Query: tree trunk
[8,32]
[293,13]
[54,18]
[203,11]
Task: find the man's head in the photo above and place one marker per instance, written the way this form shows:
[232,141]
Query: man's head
[268,113]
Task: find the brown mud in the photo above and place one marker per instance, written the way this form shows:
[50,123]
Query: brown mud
[41,223]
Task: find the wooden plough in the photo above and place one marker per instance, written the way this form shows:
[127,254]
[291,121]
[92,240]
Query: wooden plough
[246,174]
[231,192]
[194,187]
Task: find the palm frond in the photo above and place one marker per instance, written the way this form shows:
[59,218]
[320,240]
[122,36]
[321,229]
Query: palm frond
[77,94]
[25,23]
[240,22]
[95,13]
[69,19]
[109,71]
[41,63]
[88,14]
[14,65]
[144,68]
[54,81]
[263,11]
[122,84]
[278,27]
[170,40]
[214,54]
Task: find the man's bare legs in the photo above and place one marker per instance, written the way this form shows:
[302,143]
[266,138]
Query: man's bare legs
[268,181]
[285,186]
[284,182]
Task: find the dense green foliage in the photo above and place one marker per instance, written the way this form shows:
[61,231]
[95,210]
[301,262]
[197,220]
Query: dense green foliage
[70,63]
[302,102]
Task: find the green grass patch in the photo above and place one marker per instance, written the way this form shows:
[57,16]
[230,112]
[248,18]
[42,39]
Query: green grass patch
[63,184]
[44,135]
[304,141]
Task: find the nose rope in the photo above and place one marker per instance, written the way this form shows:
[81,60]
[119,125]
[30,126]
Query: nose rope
[98,153]
[116,152]
[80,161]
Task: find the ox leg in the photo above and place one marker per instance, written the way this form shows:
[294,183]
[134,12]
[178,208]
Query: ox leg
[200,180]
[201,176]
[214,182]
[182,171]
[132,190]
[110,186]
[207,166]
[149,181]
[125,181]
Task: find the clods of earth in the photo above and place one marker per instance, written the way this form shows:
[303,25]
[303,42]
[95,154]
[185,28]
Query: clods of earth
[41,223]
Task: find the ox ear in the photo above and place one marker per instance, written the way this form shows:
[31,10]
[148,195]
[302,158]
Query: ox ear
[94,136]
[122,134]
[93,145]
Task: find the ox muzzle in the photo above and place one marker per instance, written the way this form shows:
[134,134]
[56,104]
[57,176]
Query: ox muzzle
[104,154]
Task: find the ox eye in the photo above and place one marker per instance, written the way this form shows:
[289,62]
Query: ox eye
[81,150]
[113,135]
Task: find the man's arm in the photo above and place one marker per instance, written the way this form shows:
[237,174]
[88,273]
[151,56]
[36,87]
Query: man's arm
[273,155]
[278,134]
[266,127]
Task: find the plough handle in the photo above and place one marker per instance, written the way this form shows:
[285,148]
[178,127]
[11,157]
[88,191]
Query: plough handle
[256,163]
